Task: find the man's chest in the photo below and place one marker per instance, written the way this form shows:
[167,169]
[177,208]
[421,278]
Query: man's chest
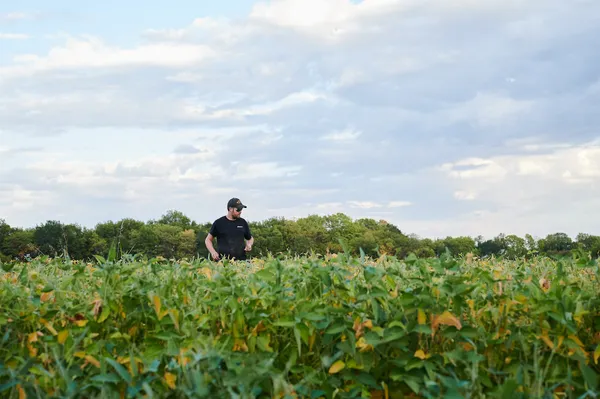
[232,229]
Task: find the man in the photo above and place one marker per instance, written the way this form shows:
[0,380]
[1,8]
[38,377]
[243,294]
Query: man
[230,231]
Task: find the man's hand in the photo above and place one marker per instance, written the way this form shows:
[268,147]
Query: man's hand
[248,247]
[215,255]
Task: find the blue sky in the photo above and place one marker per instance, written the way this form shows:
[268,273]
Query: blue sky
[444,118]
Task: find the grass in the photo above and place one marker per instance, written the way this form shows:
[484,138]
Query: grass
[300,328]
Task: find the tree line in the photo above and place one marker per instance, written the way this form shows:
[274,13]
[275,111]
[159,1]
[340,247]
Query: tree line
[174,235]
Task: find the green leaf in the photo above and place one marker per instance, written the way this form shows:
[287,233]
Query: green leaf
[317,394]
[112,253]
[8,385]
[119,369]
[100,259]
[264,343]
[298,341]
[367,379]
[336,329]
[509,388]
[413,384]
[285,323]
[104,315]
[104,378]
[590,376]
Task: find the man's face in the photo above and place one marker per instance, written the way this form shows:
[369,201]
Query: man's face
[236,212]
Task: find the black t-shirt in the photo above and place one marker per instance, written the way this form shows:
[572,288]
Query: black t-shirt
[230,236]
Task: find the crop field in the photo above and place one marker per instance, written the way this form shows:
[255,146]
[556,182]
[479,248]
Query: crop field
[338,327]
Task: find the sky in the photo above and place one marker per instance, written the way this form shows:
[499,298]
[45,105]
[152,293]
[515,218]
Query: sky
[445,118]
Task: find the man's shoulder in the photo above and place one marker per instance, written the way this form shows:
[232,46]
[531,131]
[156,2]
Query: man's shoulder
[244,221]
[219,220]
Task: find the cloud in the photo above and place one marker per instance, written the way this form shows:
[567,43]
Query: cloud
[186,149]
[13,36]
[92,52]
[399,204]
[15,16]
[444,118]
[344,135]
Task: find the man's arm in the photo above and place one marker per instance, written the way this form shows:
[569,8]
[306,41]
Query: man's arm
[249,244]
[208,241]
[249,237]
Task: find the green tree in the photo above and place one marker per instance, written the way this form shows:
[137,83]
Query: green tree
[49,238]
[186,246]
[555,244]
[176,218]
[19,244]
[515,247]
[589,243]
[124,234]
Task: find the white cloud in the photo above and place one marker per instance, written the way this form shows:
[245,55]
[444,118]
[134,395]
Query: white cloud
[364,204]
[15,16]
[92,52]
[13,36]
[488,110]
[399,204]
[343,135]
[464,195]
[469,168]
[262,170]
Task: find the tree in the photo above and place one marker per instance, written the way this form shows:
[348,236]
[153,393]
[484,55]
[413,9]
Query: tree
[176,218]
[19,244]
[589,243]
[555,244]
[123,234]
[515,247]
[49,238]
[186,246]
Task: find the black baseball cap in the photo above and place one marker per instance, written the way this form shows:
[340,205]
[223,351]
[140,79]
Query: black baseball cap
[235,203]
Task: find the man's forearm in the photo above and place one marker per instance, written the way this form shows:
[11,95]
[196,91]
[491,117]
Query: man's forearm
[209,245]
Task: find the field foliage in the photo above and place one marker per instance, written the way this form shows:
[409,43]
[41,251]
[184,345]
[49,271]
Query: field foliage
[343,327]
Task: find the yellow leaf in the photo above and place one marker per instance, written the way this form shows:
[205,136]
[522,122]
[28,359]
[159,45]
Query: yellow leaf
[421,355]
[81,323]
[156,302]
[576,339]
[170,378]
[46,296]
[547,340]
[421,317]
[32,337]
[79,354]
[62,336]
[92,360]
[363,345]
[447,319]
[311,341]
[50,328]
[597,354]
[22,394]
[522,299]
[471,304]
[174,313]
[240,346]
[337,367]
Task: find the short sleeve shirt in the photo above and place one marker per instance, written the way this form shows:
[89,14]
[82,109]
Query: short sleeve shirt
[230,235]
